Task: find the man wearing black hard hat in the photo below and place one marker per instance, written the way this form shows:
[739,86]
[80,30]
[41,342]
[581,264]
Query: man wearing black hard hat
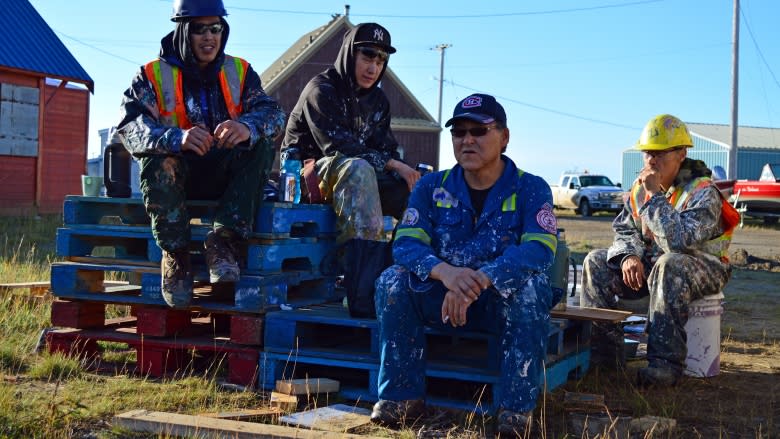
[201,127]
[342,123]
[471,253]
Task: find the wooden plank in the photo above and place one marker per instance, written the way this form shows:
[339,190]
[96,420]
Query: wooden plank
[339,418]
[247,414]
[595,314]
[174,424]
[307,386]
[284,402]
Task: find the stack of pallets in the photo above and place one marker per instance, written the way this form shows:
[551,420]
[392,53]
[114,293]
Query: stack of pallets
[462,368]
[285,263]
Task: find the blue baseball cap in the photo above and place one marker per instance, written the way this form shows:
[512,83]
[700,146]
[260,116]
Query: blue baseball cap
[480,108]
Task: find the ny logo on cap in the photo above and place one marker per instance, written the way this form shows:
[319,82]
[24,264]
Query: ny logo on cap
[472,101]
[379,35]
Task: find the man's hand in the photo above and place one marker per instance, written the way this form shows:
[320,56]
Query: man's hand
[409,175]
[464,281]
[453,309]
[633,272]
[197,139]
[230,133]
[650,179]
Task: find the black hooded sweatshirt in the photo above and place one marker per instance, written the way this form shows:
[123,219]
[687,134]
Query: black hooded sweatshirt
[334,114]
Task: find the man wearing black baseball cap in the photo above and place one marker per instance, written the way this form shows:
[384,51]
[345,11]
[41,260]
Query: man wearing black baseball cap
[342,123]
[471,252]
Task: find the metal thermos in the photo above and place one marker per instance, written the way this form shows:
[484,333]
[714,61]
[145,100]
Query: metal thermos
[116,167]
[424,168]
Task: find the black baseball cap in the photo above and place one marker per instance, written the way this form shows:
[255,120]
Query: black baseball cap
[479,108]
[373,34]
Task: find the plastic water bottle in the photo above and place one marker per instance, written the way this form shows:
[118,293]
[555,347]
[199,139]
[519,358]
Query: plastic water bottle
[290,176]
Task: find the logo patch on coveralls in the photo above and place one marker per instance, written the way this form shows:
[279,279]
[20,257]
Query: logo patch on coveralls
[546,219]
[411,216]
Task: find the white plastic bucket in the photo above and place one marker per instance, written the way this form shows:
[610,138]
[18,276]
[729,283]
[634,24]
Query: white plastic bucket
[703,331]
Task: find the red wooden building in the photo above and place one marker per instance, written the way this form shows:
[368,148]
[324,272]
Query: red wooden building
[415,129]
[44,112]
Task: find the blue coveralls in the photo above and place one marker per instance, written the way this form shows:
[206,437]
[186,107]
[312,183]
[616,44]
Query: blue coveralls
[513,242]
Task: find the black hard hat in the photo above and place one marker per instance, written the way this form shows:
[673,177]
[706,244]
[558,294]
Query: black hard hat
[184,9]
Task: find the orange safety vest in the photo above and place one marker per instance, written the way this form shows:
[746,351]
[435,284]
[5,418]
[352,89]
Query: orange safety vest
[167,82]
[718,246]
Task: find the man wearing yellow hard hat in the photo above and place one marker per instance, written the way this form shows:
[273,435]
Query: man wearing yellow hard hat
[671,243]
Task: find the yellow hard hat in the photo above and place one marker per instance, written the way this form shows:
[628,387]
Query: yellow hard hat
[664,132]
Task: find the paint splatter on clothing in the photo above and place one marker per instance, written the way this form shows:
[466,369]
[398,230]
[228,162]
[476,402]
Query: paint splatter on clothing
[675,247]
[507,243]
[168,176]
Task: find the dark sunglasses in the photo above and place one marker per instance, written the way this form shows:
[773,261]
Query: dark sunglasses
[201,29]
[371,53]
[474,131]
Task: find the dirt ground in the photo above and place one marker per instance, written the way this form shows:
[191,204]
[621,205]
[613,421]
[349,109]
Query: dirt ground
[743,400]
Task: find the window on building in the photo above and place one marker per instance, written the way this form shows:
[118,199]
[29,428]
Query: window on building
[18,120]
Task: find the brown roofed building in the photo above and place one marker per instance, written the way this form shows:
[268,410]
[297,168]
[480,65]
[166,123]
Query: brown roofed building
[415,129]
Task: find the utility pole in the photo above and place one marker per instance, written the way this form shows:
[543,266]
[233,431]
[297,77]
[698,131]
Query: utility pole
[441,48]
[732,171]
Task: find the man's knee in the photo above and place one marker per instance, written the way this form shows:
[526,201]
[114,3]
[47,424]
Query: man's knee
[391,286]
[596,260]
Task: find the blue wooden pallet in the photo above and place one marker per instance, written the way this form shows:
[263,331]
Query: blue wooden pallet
[136,245]
[273,220]
[251,294]
[327,331]
[448,385]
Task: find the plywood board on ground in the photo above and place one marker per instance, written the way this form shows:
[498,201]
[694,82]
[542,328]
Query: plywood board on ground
[337,418]
[174,424]
[595,314]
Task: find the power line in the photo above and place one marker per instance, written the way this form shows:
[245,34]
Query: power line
[553,111]
[503,14]
[99,49]
[758,49]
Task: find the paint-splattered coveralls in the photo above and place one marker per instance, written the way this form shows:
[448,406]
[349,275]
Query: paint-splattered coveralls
[235,176]
[681,242]
[512,242]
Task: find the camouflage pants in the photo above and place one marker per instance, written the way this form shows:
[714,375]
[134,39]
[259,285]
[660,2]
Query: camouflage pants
[406,305]
[673,282]
[359,196]
[234,177]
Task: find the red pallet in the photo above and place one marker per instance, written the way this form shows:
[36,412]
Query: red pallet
[154,321]
[159,357]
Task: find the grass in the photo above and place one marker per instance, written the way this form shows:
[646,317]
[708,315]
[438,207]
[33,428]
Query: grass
[53,396]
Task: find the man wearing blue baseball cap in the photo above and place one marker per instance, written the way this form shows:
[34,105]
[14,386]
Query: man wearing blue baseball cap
[471,250]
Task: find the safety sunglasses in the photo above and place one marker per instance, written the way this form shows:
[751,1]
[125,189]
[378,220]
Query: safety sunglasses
[659,154]
[201,29]
[474,131]
[371,53]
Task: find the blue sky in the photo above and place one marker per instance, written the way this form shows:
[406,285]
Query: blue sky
[578,78]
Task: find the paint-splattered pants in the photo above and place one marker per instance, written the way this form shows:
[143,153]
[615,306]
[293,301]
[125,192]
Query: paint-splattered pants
[673,282]
[359,196]
[235,177]
[405,306]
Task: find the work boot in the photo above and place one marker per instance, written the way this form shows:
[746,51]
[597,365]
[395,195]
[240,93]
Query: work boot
[176,274]
[222,256]
[657,376]
[513,424]
[608,347]
[394,414]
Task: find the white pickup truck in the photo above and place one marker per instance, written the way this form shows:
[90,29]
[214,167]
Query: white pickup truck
[587,193]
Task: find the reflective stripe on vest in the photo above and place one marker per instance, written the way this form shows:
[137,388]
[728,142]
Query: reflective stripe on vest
[717,246]
[167,82]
